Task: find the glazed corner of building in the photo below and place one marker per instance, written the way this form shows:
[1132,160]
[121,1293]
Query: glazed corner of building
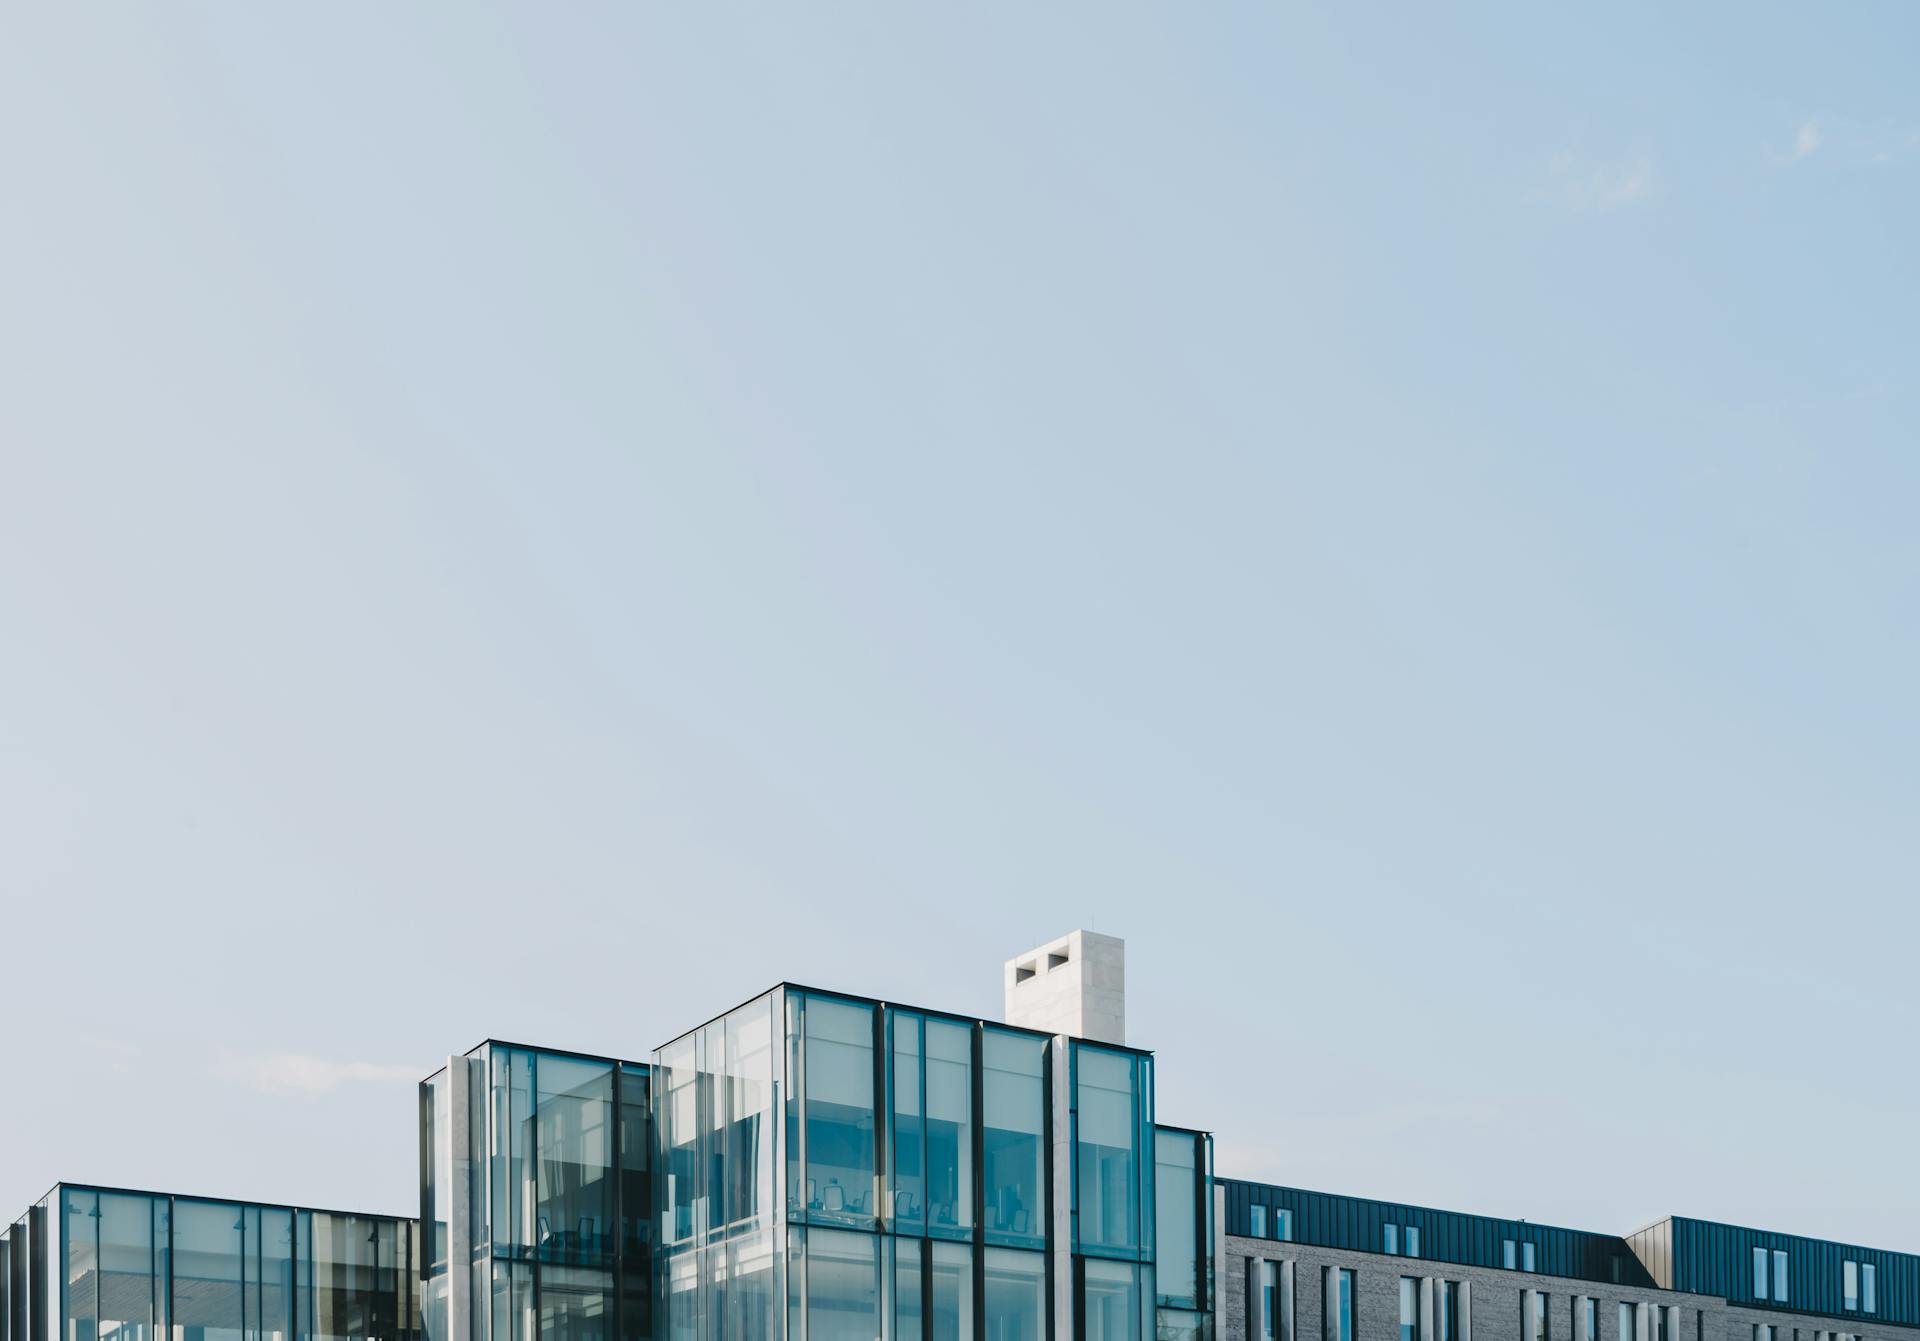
[816,1165]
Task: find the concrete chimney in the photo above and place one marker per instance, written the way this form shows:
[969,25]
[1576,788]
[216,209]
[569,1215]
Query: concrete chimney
[1076,985]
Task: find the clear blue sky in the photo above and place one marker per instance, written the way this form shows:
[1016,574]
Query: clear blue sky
[541,521]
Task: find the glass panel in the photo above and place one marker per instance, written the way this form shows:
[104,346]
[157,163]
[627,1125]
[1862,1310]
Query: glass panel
[1869,1297]
[1013,1136]
[351,1278]
[1016,1295]
[1112,1300]
[1413,1240]
[575,1303]
[675,1098]
[949,1124]
[1106,1157]
[80,1282]
[951,1318]
[1409,1309]
[1851,1292]
[128,1285]
[840,1113]
[1629,1324]
[1779,1277]
[1176,1229]
[1390,1239]
[1526,1257]
[909,1132]
[636,1209]
[1759,1273]
[573,1192]
[206,1270]
[907,1284]
[750,1287]
[1257,1222]
[511,1133]
[1343,1308]
[1507,1254]
[748,1117]
[1282,1224]
[433,1113]
[843,1271]
[1447,1295]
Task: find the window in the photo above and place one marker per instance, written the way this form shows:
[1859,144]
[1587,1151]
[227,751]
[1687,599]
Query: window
[1257,1221]
[1179,1164]
[1013,1134]
[1629,1321]
[1338,1305]
[1779,1276]
[1762,1332]
[1451,1325]
[1850,1295]
[1759,1273]
[1869,1301]
[1661,1316]
[839,1113]
[1110,1307]
[1412,1240]
[1589,1320]
[1526,1257]
[1015,1293]
[952,1315]
[1390,1239]
[1112,1091]
[1533,1305]
[1283,1224]
[1269,1306]
[1507,1258]
[1409,1308]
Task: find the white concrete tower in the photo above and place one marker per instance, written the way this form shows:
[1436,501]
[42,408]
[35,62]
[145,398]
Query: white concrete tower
[1076,985]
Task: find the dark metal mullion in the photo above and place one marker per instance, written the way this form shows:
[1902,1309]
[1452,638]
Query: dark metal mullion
[978,1239]
[880,1096]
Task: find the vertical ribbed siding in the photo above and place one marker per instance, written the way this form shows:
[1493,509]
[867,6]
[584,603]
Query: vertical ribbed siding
[1717,1259]
[1357,1224]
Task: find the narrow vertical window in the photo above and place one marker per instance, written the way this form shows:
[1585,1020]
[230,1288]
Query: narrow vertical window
[1282,1223]
[1506,1254]
[1257,1225]
[1759,1273]
[1409,1308]
[1779,1276]
[1446,1298]
[1629,1323]
[1590,1317]
[1869,1302]
[1413,1240]
[1526,1257]
[1390,1239]
[1850,1281]
[1343,1316]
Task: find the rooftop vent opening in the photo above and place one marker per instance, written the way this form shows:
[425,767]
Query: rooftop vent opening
[1022,972]
[1055,960]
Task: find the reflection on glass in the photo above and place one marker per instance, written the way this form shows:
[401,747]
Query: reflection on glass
[1106,1154]
[840,1111]
[750,1282]
[951,1318]
[843,1282]
[1016,1294]
[1409,1309]
[1628,1322]
[949,1125]
[1111,1302]
[1176,1229]
[207,1269]
[573,1159]
[908,1283]
[744,1112]
[909,1132]
[1447,1295]
[1013,1136]
[1779,1277]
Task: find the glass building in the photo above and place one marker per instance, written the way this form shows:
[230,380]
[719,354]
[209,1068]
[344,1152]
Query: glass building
[108,1264]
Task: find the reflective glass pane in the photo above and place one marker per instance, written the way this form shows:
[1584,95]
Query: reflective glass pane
[573,1160]
[843,1280]
[1343,1308]
[1851,1286]
[1390,1239]
[1412,1240]
[1176,1231]
[1106,1156]
[636,1208]
[750,1287]
[207,1270]
[1628,1322]
[1112,1301]
[1409,1309]
[1779,1277]
[1526,1257]
[747,1118]
[575,1303]
[129,1288]
[1016,1294]
[909,1131]
[675,1095]
[840,1110]
[951,1317]
[908,1283]
[80,1282]
[1013,1136]
[949,1124]
[1759,1273]
[1257,1222]
[1869,1293]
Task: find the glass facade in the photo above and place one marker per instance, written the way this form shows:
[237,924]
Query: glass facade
[538,1162]
[1112,1141]
[119,1265]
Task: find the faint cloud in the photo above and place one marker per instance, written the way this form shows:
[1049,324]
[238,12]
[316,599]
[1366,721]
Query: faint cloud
[285,1074]
[1806,141]
[1584,182]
